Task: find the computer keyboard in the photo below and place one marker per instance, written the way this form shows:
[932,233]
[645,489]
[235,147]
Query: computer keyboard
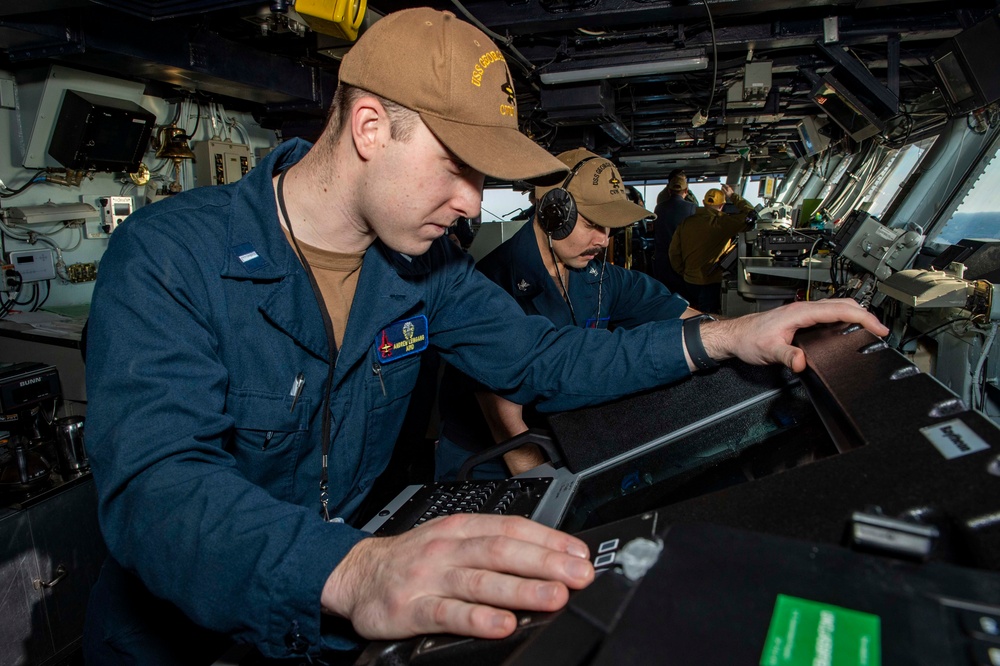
[508,497]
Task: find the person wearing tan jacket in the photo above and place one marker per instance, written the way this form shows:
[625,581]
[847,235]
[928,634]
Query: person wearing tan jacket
[701,241]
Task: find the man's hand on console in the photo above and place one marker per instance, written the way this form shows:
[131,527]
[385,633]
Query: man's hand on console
[766,337]
[456,574]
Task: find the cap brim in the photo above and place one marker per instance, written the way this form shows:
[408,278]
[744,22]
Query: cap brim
[499,152]
[613,214]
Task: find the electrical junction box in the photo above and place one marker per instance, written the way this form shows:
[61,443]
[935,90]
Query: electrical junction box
[756,81]
[33,265]
[751,92]
[879,249]
[220,162]
[732,134]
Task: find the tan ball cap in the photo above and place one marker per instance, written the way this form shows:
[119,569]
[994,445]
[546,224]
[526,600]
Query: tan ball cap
[678,183]
[457,79]
[598,190]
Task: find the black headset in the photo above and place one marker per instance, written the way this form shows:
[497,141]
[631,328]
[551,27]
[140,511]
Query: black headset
[557,209]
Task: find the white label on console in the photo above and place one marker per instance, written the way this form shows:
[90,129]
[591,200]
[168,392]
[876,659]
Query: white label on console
[954,439]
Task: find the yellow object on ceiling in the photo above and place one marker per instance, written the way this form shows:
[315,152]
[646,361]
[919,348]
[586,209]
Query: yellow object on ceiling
[337,18]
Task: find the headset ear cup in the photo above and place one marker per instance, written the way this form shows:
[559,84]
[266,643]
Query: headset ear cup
[557,213]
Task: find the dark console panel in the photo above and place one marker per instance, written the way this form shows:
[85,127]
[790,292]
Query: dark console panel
[865,497]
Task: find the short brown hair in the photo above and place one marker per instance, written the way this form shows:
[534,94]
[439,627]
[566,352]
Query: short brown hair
[402,120]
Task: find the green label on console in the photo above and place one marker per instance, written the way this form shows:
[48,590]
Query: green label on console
[807,633]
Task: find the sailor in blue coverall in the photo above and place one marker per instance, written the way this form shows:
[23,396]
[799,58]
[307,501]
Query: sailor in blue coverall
[207,464]
[234,431]
[598,295]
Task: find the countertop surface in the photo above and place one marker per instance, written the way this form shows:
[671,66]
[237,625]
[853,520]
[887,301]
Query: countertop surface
[62,327]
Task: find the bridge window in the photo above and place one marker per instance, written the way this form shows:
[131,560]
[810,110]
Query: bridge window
[978,216]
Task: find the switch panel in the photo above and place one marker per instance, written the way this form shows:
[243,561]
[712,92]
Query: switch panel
[220,162]
[113,211]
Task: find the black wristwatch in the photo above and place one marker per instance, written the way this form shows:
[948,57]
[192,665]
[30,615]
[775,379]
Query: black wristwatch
[692,340]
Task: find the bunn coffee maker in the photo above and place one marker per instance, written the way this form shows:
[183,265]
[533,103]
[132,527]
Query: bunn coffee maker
[24,390]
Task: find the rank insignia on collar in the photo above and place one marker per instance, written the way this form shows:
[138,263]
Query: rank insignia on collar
[247,255]
[593,271]
[401,339]
[523,285]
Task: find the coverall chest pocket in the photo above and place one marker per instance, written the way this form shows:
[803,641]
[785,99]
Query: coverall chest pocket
[267,431]
[388,389]
[393,381]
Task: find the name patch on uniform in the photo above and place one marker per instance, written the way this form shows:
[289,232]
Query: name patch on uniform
[248,257]
[402,338]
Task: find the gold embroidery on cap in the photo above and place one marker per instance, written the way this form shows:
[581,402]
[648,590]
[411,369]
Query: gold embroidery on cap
[615,185]
[616,188]
[510,108]
[600,170]
[485,61]
[614,181]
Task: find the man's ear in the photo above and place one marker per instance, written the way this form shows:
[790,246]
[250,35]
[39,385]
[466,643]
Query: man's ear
[369,126]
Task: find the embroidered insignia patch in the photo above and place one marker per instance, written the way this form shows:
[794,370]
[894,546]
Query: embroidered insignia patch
[402,338]
[509,91]
[523,285]
[597,322]
[248,257]
[593,271]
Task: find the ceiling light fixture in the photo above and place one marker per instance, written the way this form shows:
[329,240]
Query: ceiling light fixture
[663,158]
[616,67]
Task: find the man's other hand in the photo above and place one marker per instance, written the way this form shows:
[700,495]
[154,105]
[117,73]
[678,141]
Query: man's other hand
[766,337]
[458,574]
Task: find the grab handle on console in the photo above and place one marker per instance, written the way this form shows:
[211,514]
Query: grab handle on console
[530,436]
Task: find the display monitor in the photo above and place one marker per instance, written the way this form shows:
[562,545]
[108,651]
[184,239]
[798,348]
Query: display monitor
[813,141]
[852,97]
[100,133]
[966,65]
[797,150]
[847,109]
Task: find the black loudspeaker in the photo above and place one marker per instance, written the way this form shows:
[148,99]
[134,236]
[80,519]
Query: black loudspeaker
[100,133]
[557,209]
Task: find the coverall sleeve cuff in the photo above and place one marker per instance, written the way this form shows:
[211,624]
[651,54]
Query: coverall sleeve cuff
[668,352]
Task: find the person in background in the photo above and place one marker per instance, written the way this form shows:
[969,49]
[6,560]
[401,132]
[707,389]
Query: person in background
[252,349]
[637,237]
[672,208]
[557,268]
[690,195]
[702,240]
[634,195]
